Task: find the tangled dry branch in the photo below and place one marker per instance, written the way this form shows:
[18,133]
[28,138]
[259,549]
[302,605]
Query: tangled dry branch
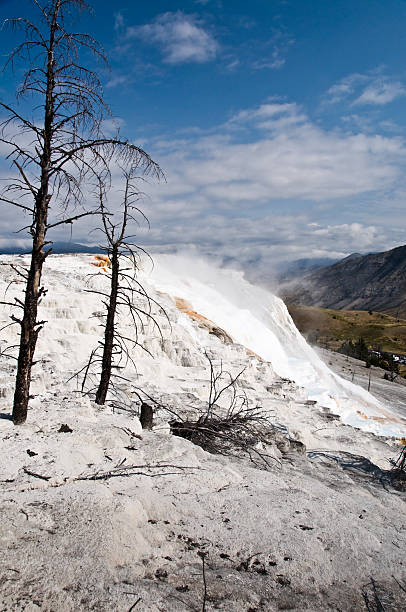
[238,430]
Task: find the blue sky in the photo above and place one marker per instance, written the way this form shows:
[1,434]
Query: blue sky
[280,125]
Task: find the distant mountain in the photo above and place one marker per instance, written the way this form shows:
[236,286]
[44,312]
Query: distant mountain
[359,282]
[57,248]
[352,256]
[299,266]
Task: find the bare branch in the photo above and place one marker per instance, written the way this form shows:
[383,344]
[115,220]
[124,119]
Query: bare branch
[72,219]
[16,204]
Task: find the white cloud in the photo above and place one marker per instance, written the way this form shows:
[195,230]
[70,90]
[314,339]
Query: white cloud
[116,80]
[357,234]
[266,111]
[290,157]
[260,244]
[232,64]
[181,38]
[113,125]
[345,87]
[365,89]
[380,93]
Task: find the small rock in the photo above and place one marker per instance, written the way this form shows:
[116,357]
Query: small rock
[306,528]
[161,574]
[283,580]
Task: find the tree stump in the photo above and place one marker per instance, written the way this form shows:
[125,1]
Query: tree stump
[146,417]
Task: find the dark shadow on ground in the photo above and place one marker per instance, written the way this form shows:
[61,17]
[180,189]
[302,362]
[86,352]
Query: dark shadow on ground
[360,468]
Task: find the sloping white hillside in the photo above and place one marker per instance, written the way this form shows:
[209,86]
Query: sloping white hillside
[253,318]
[260,321]
[101,515]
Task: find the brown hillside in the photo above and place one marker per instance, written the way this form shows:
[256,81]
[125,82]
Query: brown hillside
[374,282]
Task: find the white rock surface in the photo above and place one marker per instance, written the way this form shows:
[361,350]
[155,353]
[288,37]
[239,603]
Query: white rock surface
[77,533]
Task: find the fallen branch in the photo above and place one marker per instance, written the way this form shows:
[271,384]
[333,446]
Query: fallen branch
[372,601]
[202,555]
[134,604]
[133,470]
[35,475]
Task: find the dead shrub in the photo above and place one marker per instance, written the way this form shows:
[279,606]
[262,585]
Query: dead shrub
[238,430]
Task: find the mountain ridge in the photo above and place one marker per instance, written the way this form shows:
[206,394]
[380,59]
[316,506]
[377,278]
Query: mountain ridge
[376,281]
[58,248]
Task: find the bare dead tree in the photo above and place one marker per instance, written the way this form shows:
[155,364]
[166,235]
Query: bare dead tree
[57,152]
[223,382]
[125,294]
[238,429]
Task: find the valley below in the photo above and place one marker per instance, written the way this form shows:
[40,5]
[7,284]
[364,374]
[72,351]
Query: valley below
[330,328]
[390,393]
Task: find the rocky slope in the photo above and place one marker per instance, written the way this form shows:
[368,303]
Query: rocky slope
[371,282]
[98,514]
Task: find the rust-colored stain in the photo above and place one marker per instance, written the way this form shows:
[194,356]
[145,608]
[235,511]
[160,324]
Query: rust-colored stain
[253,354]
[402,441]
[101,261]
[187,308]
[378,419]
[387,418]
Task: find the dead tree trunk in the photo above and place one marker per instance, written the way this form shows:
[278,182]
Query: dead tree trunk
[30,327]
[109,331]
[146,416]
[126,298]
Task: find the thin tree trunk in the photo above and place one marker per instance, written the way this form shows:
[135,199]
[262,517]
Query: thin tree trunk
[29,325]
[109,330]
[29,334]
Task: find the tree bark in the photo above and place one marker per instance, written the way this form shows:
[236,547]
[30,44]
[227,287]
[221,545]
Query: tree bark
[109,329]
[28,336]
[29,324]
[146,416]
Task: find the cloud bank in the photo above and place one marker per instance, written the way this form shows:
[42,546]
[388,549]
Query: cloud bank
[269,185]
